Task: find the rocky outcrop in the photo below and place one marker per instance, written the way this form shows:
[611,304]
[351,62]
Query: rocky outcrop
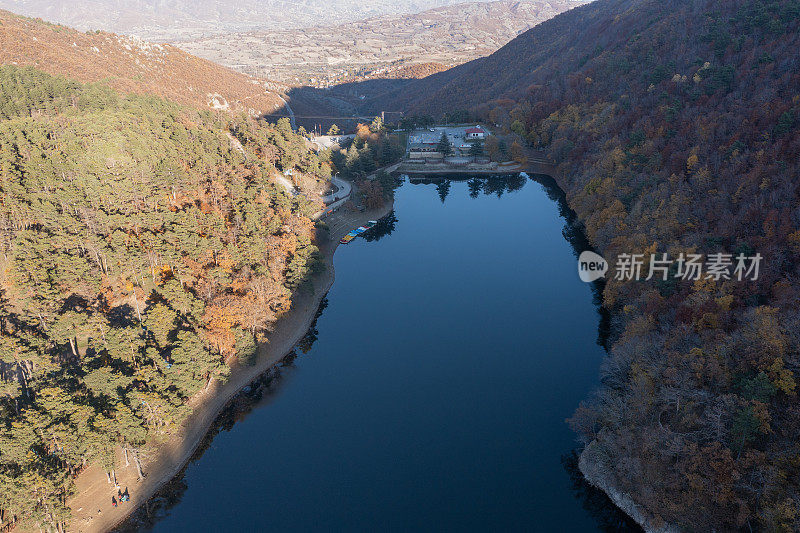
[593,465]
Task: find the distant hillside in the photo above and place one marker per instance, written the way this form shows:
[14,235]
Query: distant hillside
[408,71]
[539,56]
[173,19]
[675,127]
[129,65]
[329,54]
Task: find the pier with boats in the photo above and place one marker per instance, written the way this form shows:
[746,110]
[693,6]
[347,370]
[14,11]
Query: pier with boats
[358,231]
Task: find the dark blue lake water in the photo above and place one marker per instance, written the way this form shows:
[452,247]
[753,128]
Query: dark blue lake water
[449,355]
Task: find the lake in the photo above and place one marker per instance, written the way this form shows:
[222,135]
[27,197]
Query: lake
[434,388]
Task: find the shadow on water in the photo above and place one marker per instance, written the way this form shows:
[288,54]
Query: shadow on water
[383,228]
[573,231]
[265,388]
[608,516]
[575,234]
[259,393]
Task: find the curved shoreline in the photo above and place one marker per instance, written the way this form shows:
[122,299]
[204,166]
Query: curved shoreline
[164,459]
[168,458]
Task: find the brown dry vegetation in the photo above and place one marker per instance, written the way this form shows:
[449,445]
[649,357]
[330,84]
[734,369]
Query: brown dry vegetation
[129,65]
[408,71]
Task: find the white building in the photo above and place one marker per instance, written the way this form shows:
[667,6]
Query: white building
[475,133]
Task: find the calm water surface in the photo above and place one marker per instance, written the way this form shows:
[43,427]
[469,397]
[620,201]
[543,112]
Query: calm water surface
[434,397]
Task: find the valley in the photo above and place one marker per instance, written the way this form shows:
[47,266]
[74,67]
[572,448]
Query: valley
[388,46]
[171,217]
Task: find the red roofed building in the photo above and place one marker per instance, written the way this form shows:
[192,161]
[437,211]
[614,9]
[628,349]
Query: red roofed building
[475,133]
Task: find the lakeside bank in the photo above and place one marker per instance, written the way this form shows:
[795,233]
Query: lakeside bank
[168,458]
[431,389]
[532,166]
[162,460]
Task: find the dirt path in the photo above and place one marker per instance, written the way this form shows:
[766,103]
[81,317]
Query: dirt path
[92,510]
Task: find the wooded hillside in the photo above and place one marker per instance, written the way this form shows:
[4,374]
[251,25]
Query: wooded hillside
[143,253]
[130,65]
[676,129]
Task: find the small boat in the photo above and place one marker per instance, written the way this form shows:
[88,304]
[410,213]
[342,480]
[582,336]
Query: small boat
[358,231]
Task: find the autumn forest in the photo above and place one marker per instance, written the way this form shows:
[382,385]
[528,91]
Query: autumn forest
[143,255]
[148,248]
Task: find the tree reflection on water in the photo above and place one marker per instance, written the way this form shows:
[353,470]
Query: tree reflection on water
[257,394]
[266,387]
[383,228]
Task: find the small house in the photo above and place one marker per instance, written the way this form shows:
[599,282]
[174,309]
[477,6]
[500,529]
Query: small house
[476,133]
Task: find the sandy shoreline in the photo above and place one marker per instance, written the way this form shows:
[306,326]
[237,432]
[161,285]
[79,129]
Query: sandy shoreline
[163,460]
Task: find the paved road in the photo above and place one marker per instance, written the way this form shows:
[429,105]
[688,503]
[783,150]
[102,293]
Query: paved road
[343,190]
[290,111]
[343,197]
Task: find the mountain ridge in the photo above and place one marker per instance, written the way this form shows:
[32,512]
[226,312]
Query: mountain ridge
[130,65]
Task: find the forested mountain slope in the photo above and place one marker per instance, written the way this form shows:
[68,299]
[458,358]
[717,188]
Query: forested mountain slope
[130,65]
[142,254]
[537,56]
[676,129]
